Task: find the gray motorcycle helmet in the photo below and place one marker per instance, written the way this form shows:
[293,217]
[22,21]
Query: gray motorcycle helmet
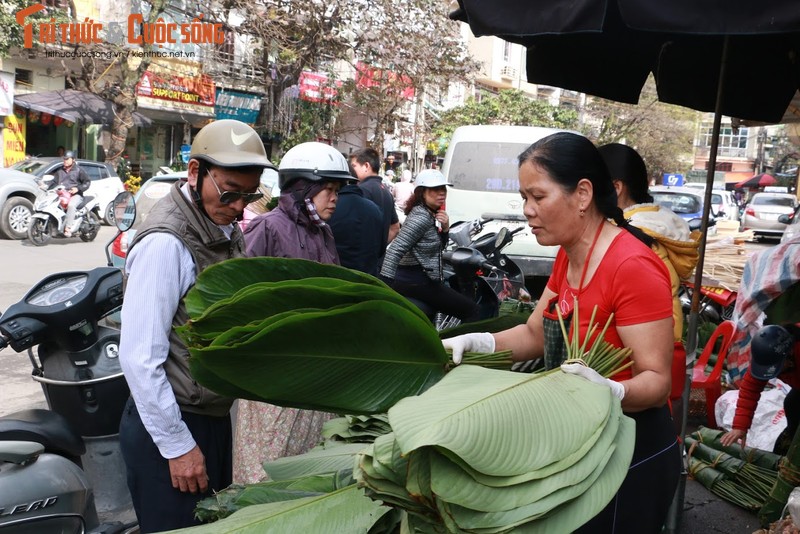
[230,143]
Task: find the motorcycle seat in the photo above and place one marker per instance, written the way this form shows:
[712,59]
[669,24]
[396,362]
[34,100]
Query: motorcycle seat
[45,427]
[426,308]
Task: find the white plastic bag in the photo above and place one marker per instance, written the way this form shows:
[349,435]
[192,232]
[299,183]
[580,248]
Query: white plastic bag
[768,421]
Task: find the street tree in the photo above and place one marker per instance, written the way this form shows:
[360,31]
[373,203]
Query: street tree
[386,51]
[11,33]
[116,79]
[663,134]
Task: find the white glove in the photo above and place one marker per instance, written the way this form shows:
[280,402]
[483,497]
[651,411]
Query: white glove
[591,375]
[479,342]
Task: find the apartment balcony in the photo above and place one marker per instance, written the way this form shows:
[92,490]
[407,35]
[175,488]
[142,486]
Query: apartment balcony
[231,66]
[507,72]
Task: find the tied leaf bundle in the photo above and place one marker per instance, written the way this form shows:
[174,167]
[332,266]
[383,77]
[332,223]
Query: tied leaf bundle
[601,355]
[301,334]
[735,480]
[481,452]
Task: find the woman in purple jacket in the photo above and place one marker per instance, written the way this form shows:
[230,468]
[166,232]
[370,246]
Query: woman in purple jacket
[309,175]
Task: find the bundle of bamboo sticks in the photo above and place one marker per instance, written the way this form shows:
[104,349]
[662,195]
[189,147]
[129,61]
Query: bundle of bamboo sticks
[724,260]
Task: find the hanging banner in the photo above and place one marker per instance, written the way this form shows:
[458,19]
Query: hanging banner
[315,87]
[385,80]
[237,105]
[6,93]
[13,139]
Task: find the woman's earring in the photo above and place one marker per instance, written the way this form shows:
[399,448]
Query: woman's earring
[582,212]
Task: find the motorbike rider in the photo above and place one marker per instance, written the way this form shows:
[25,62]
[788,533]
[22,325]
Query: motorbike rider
[76,182]
[412,265]
[175,435]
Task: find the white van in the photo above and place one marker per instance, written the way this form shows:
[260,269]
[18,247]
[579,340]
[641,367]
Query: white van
[482,164]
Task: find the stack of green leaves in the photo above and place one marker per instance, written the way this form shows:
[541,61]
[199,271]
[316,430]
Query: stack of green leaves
[488,451]
[300,334]
[356,428]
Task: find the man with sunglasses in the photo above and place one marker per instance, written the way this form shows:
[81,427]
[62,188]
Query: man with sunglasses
[175,435]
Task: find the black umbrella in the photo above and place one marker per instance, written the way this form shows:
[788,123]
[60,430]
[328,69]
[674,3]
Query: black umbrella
[737,58]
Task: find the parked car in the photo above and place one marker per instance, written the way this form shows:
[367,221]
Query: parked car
[686,202]
[106,184]
[762,212]
[18,191]
[723,205]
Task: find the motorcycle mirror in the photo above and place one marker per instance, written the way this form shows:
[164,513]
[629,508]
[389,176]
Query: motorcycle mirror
[500,239]
[124,211]
[124,208]
[785,219]
[47,178]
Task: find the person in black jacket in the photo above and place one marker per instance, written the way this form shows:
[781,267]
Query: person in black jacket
[76,181]
[357,228]
[364,165]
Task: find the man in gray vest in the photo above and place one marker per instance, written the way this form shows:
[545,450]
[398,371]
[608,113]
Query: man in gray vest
[175,435]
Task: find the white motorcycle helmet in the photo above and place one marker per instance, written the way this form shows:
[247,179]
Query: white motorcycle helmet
[314,162]
[431,178]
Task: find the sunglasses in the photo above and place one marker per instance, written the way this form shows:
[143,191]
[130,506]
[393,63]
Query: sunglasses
[229,197]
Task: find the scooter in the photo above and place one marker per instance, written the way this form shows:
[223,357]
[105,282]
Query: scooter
[50,216]
[61,469]
[477,268]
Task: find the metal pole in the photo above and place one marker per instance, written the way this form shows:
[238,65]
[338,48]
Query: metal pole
[676,509]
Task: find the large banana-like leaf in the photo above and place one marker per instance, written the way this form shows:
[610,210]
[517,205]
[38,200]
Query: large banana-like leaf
[452,484]
[224,279]
[470,520]
[575,513]
[346,511]
[269,298]
[543,472]
[332,360]
[472,407]
[317,461]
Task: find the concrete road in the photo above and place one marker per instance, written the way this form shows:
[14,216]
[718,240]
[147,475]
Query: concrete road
[21,266]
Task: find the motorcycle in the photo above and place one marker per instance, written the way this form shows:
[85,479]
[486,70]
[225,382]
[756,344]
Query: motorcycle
[476,267]
[50,216]
[61,469]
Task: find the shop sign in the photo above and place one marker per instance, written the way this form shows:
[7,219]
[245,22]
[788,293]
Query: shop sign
[193,94]
[243,107]
[6,93]
[13,139]
[315,87]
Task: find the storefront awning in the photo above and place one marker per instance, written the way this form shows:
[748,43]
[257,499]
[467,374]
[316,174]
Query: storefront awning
[75,106]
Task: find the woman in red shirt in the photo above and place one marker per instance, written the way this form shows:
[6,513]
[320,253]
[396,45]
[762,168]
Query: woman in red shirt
[568,196]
